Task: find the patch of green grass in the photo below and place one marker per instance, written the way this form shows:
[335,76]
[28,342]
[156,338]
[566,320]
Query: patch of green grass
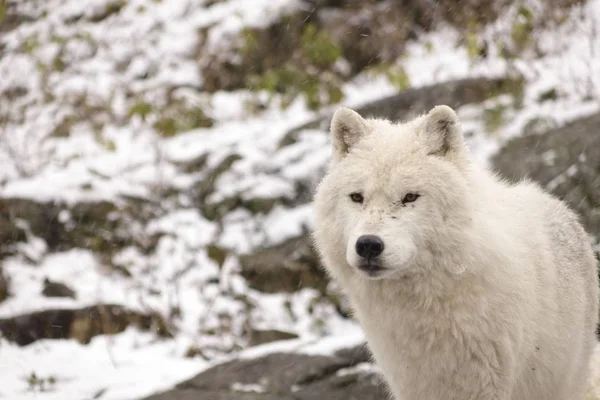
[36,383]
[61,40]
[398,77]
[291,81]
[250,41]
[63,129]
[217,254]
[113,7]
[166,127]
[494,117]
[3,10]
[429,47]
[30,44]
[395,74]
[318,47]
[58,64]
[307,71]
[181,120]
[522,28]
[108,144]
[141,108]
[548,95]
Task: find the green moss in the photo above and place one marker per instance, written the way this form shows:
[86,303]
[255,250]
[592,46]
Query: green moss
[318,47]
[63,129]
[30,44]
[113,7]
[36,383]
[58,64]
[291,81]
[429,47]
[61,40]
[299,66]
[335,94]
[217,254]
[515,87]
[166,127]
[176,118]
[278,80]
[398,77]
[522,29]
[548,95]
[142,109]
[108,144]
[194,118]
[395,74]
[493,117]
[259,206]
[250,41]
[41,67]
[472,43]
[3,9]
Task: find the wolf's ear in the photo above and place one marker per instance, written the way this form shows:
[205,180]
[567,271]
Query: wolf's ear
[441,134]
[347,128]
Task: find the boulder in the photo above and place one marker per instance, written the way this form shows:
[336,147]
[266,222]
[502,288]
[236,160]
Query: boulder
[565,160]
[79,324]
[86,224]
[345,375]
[4,289]
[286,267]
[57,289]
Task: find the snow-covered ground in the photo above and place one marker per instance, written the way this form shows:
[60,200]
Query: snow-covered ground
[106,159]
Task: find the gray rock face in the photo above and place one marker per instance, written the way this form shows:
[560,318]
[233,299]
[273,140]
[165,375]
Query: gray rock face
[80,324]
[57,289]
[411,103]
[4,290]
[260,336]
[565,160]
[287,267]
[91,225]
[286,376]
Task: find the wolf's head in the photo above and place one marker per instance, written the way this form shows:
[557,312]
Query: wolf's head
[396,196]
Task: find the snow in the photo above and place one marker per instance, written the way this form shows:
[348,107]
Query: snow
[138,53]
[127,366]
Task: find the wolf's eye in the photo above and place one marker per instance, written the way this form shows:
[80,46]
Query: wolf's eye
[410,197]
[356,197]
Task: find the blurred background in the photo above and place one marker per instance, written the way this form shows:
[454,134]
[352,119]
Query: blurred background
[158,160]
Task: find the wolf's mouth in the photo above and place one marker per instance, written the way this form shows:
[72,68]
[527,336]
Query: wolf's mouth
[371,268]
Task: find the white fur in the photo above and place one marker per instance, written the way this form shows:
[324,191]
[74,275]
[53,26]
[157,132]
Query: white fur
[490,291]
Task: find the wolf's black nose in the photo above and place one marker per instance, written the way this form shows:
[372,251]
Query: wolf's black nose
[369,246]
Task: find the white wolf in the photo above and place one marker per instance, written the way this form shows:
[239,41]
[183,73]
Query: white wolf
[467,288]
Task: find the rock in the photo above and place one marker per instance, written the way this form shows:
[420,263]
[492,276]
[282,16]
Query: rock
[286,376]
[11,17]
[565,160]
[205,186]
[100,226]
[79,324]
[411,103]
[4,291]
[57,289]
[287,267]
[87,224]
[258,336]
